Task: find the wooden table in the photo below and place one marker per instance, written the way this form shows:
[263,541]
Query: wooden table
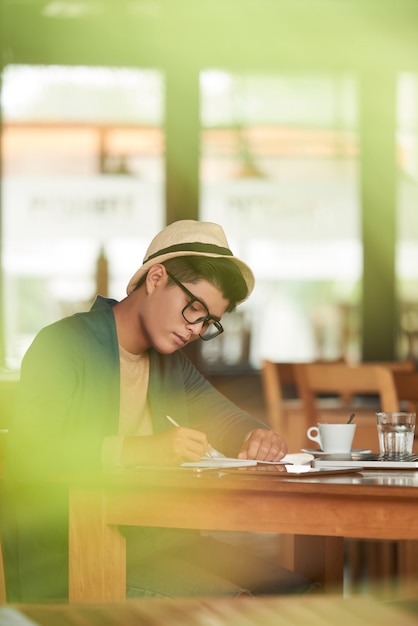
[317,512]
[286,611]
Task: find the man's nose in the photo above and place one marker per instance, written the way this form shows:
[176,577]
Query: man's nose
[195,329]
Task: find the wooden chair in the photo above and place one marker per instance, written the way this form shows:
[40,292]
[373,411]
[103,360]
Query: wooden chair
[275,378]
[406,386]
[368,388]
[363,389]
[284,407]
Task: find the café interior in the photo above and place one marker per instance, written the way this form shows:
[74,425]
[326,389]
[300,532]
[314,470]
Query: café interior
[294,125]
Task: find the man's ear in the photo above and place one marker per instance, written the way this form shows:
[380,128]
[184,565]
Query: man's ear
[157,275]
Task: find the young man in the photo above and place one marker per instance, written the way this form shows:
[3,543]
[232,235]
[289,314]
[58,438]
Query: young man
[95,390]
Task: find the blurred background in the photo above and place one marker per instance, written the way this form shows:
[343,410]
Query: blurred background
[293,123]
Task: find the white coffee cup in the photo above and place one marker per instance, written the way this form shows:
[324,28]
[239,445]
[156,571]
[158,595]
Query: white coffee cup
[333,438]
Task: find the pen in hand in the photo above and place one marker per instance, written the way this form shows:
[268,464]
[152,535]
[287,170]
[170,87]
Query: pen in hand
[212,453]
[170,419]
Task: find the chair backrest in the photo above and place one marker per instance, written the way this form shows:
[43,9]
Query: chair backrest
[406,385]
[283,405]
[274,377]
[343,380]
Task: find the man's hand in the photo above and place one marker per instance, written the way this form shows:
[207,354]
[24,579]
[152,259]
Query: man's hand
[263,445]
[171,447]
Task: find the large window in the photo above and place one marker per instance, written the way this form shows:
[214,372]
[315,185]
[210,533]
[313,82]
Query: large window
[83,193]
[82,189]
[279,170]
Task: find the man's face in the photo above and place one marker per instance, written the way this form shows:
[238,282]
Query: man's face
[164,321]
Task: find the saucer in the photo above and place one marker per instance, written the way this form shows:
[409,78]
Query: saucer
[319,452]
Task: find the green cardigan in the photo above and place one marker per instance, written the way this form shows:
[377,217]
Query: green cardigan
[68,403]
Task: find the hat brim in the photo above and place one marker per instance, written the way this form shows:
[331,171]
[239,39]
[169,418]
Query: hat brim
[245,270]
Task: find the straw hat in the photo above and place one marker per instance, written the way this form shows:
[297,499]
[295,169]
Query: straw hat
[190,238]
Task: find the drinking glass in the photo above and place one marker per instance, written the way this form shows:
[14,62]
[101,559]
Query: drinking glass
[396,433]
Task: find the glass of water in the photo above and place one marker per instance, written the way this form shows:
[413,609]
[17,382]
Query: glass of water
[396,433]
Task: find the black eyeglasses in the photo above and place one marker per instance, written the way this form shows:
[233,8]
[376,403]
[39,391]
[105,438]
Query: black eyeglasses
[196,312]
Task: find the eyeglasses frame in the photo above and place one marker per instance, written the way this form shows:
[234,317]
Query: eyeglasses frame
[206,319]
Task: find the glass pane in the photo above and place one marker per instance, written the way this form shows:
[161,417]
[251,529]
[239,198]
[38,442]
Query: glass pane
[279,171]
[82,191]
[407,227]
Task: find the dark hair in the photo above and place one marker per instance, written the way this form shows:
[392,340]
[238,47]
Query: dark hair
[223,274]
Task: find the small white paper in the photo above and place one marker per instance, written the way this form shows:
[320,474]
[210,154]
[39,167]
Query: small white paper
[298,469]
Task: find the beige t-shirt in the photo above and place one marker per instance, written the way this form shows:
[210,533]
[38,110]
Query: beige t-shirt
[134,412]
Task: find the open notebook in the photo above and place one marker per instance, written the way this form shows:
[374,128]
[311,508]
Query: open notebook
[366,460]
[228,462]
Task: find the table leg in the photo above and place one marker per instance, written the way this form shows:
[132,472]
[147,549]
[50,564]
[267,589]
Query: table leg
[97,551]
[408,569]
[321,559]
